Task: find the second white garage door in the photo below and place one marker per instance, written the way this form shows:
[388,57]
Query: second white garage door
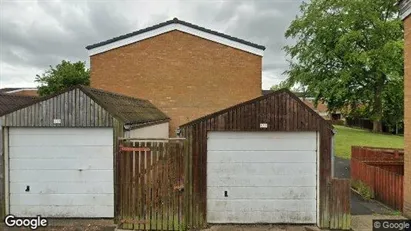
[261,177]
[61,172]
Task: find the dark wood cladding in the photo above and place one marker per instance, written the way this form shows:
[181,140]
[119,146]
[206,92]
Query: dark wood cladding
[340,211]
[74,108]
[281,111]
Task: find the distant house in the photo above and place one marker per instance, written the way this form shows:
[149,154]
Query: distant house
[322,109]
[20,91]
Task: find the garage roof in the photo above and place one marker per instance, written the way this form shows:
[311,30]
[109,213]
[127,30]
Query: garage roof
[130,110]
[288,97]
[127,109]
[10,102]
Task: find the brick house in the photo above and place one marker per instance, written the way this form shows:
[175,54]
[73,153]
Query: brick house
[187,71]
[405,7]
[20,91]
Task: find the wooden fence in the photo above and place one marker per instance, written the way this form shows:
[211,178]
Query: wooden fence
[368,124]
[377,154]
[340,208]
[150,184]
[155,188]
[383,175]
[391,166]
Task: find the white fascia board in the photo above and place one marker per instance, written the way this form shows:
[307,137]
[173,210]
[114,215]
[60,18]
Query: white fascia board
[22,89]
[179,27]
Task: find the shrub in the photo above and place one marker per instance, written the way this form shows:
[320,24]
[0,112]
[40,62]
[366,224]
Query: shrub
[364,190]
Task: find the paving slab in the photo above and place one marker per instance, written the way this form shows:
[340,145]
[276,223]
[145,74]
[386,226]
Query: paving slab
[364,222]
[72,225]
[262,228]
[359,206]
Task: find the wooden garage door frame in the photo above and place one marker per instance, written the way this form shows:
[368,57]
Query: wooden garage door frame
[6,169]
[317,198]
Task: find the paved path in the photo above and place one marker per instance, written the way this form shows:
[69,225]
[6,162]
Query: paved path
[72,225]
[363,213]
[262,228]
[365,222]
[359,206]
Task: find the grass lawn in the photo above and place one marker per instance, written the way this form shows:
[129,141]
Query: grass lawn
[347,137]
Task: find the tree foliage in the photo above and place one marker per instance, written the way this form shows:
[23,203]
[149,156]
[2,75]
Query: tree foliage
[61,76]
[279,86]
[350,53]
[393,101]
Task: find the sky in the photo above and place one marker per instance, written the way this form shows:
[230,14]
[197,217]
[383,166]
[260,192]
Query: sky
[37,34]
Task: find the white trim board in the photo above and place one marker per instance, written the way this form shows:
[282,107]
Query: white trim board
[19,90]
[179,27]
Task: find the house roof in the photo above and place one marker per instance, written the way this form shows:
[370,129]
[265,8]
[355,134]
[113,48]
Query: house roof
[9,102]
[321,107]
[7,89]
[174,21]
[128,109]
[267,95]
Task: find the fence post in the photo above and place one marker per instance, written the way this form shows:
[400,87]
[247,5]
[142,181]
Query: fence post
[186,199]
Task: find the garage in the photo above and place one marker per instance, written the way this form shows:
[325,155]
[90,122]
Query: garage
[261,177]
[61,172]
[267,160]
[59,151]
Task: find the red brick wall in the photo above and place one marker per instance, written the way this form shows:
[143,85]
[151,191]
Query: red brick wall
[407,117]
[185,76]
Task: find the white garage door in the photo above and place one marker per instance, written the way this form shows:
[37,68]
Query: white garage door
[261,177]
[61,172]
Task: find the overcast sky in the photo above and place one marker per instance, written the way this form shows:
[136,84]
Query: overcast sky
[36,34]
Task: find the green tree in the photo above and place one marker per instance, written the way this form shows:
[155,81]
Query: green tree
[61,76]
[393,101]
[347,52]
[279,86]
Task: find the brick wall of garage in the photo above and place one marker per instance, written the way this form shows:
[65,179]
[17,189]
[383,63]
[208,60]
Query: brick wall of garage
[183,75]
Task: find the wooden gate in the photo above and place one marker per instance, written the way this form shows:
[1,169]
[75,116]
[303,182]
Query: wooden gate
[150,184]
[340,204]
